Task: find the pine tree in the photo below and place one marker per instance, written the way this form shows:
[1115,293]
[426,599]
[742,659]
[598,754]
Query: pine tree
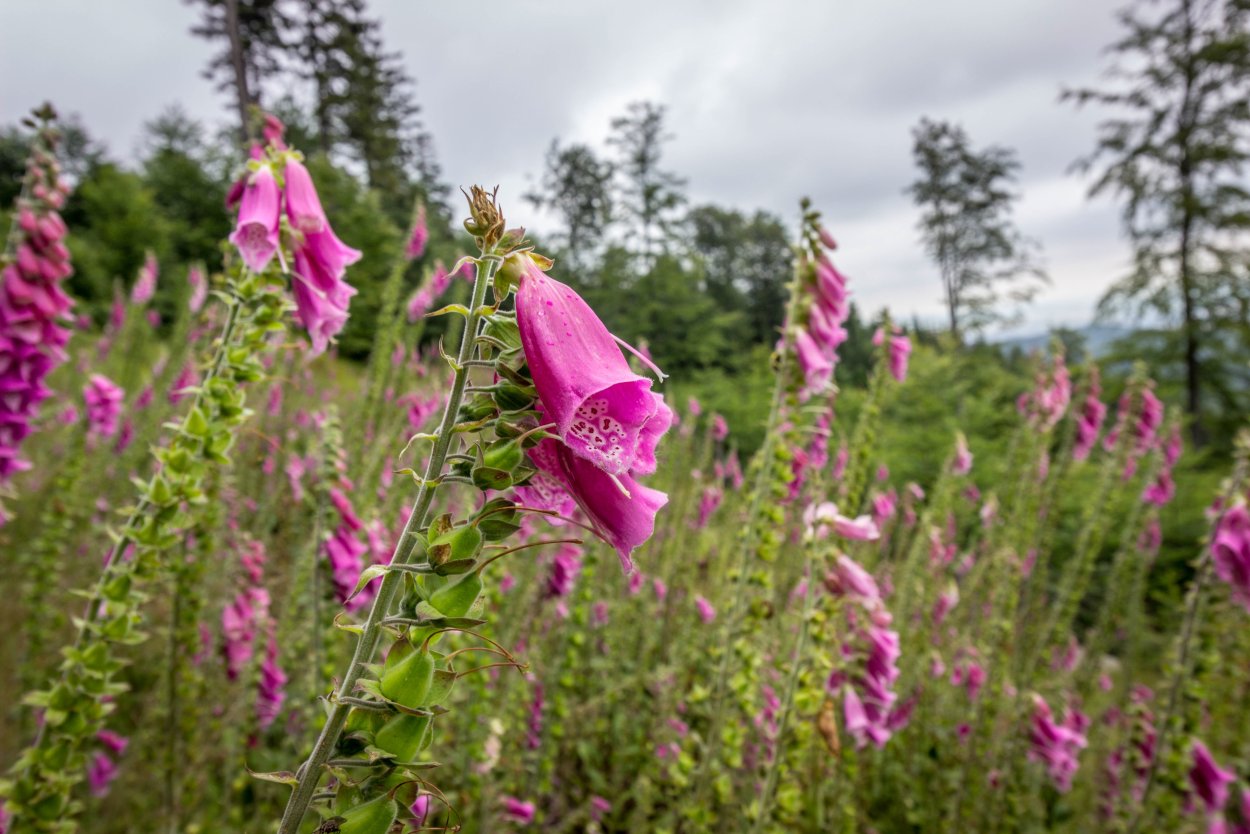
[1174,151]
[254,47]
[650,196]
[966,197]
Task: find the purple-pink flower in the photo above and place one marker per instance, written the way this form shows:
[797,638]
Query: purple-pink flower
[1209,781]
[1089,424]
[1057,744]
[199,288]
[1230,552]
[33,307]
[256,229]
[706,612]
[104,406]
[518,811]
[600,407]
[145,285]
[419,236]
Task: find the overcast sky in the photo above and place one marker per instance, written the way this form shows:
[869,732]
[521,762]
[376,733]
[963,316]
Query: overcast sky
[768,101]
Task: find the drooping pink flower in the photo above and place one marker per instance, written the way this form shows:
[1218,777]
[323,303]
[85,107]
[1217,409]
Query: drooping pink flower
[850,579]
[1089,424]
[518,811]
[321,295]
[33,306]
[419,236]
[599,405]
[423,299]
[256,230]
[720,428]
[962,464]
[104,406]
[187,378]
[534,728]
[303,205]
[823,518]
[709,501]
[420,809]
[1230,552]
[1161,490]
[599,807]
[565,568]
[1046,404]
[1057,744]
[345,551]
[946,602]
[733,470]
[101,771]
[866,684]
[1209,781]
[199,288]
[621,510]
[900,350]
[706,612]
[145,284]
[271,689]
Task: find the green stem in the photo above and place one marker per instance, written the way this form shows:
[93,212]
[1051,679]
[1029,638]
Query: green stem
[310,772]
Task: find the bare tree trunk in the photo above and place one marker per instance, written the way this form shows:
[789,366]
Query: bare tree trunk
[243,95]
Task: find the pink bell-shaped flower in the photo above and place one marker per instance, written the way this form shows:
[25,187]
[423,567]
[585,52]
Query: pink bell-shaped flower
[601,408]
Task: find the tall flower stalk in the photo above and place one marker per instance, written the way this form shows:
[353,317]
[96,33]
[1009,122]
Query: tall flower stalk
[432,585]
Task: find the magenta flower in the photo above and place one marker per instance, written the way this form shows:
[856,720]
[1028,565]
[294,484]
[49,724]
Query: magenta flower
[1208,779]
[271,690]
[708,504]
[321,294]
[419,236]
[423,299]
[33,307]
[823,518]
[199,288]
[1057,745]
[599,405]
[145,285]
[420,808]
[720,428]
[599,807]
[518,811]
[1230,552]
[706,612]
[946,602]
[256,230]
[565,568]
[1093,412]
[101,771]
[962,463]
[693,407]
[621,510]
[104,406]
[345,552]
[303,205]
[849,579]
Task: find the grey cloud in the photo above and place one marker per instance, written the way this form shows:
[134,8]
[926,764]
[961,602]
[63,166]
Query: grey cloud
[768,101]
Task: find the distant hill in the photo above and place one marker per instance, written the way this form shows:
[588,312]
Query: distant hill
[1098,339]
